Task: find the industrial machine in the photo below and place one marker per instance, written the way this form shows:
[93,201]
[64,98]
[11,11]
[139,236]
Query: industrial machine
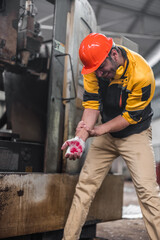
[41,91]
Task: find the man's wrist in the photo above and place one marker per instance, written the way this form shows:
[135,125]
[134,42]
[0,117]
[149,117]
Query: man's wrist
[104,128]
[83,134]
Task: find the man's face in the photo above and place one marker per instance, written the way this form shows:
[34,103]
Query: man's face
[107,69]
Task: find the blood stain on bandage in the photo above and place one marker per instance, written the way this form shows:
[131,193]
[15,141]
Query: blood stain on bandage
[80,148]
[74,150]
[77,143]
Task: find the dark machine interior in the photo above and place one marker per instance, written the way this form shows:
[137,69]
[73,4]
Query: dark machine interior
[24,71]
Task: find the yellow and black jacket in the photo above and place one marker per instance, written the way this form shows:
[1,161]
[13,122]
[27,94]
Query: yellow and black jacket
[129,94]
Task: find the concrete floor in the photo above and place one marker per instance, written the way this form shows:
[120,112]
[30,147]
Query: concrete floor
[129,228]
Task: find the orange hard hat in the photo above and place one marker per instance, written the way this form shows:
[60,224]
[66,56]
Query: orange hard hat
[93,51]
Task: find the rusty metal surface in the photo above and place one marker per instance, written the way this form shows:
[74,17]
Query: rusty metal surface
[8,31]
[34,203]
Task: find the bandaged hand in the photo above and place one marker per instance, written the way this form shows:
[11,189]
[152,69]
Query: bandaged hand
[75,149]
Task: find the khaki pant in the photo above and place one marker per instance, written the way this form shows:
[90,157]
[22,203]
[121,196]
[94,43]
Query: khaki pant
[137,152]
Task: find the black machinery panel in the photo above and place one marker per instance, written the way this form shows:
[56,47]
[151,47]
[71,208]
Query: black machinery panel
[21,156]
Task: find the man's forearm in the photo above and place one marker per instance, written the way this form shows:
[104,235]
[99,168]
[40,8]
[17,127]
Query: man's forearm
[116,124]
[89,117]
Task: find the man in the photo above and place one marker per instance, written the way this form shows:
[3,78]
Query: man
[119,85]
